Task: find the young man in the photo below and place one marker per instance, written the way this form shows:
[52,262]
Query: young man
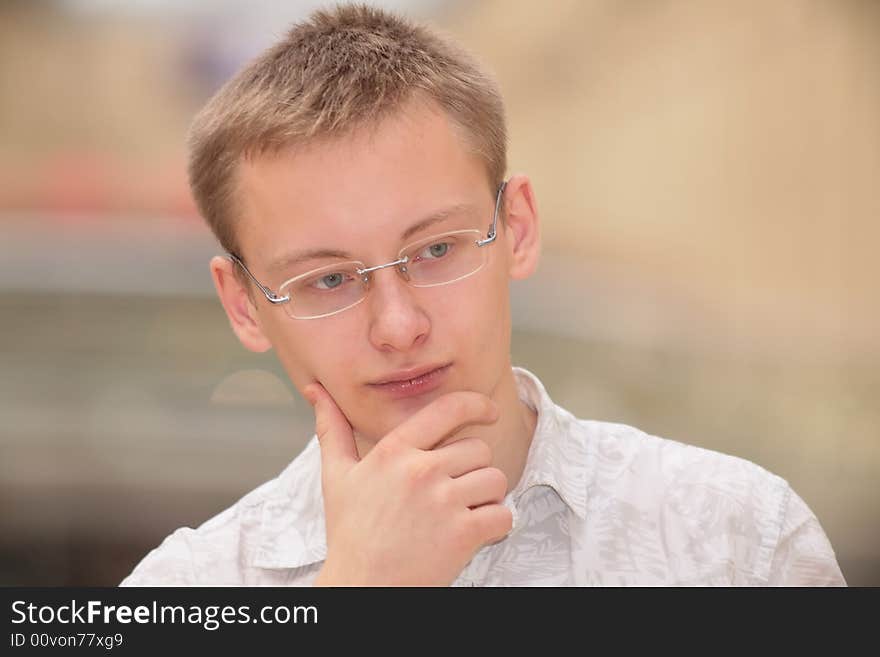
[355,175]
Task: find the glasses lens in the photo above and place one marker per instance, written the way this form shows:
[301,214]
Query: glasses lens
[444,258]
[324,291]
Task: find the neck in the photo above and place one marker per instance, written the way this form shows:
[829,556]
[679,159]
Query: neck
[511,436]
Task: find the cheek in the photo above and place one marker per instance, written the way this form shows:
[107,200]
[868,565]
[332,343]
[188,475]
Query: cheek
[310,351]
[477,318]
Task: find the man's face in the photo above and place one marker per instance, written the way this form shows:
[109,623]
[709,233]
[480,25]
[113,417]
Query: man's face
[359,194]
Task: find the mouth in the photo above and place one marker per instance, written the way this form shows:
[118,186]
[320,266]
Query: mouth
[414,382]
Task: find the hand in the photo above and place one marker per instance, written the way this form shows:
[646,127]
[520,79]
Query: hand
[408,514]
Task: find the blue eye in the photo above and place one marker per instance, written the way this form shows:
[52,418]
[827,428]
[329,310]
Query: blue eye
[331,281]
[439,249]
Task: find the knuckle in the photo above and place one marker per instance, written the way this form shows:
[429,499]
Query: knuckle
[384,451]
[420,471]
[443,497]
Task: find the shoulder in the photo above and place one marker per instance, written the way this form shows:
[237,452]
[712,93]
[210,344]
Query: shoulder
[655,509]
[219,551]
[716,517]
[623,460]
[624,454]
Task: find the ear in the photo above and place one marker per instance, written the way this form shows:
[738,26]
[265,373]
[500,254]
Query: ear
[238,305]
[521,227]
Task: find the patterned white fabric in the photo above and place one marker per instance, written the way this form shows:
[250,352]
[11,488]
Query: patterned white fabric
[598,504]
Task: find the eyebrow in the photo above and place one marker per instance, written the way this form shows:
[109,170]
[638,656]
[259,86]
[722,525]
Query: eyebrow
[299,257]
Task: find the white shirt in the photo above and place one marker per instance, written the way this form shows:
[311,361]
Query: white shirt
[598,504]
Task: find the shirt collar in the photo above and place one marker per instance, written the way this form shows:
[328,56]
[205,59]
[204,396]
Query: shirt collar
[291,527]
[558,453]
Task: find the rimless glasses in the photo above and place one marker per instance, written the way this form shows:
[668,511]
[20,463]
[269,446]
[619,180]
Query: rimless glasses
[429,262]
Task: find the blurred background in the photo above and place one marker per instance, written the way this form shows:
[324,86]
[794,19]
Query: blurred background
[707,175]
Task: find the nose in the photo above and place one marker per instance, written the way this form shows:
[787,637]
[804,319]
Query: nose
[397,320]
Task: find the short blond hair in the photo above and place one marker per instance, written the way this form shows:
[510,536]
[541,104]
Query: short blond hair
[338,70]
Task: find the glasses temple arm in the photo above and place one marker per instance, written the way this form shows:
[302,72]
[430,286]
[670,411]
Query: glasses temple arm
[491,235]
[269,294]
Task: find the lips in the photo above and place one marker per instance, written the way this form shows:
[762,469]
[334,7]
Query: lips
[407,375]
[412,383]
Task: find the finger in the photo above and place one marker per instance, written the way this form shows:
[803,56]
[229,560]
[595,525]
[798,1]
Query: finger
[491,522]
[443,417]
[483,486]
[335,436]
[463,456]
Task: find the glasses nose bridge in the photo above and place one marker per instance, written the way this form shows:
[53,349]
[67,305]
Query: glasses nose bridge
[366,273]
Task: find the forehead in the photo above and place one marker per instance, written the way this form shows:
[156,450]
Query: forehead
[358,192]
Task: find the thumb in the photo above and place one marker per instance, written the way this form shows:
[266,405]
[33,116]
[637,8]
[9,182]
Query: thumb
[332,428]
